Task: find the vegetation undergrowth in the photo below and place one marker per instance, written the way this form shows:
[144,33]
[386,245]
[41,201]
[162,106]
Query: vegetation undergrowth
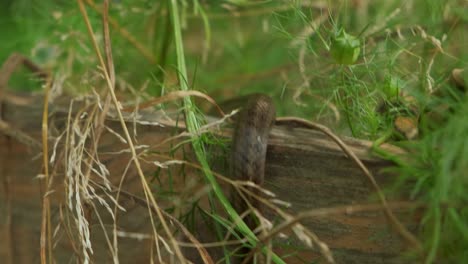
[374,70]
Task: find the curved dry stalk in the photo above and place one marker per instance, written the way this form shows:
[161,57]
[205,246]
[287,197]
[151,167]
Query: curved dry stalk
[173,96]
[397,225]
[323,212]
[46,225]
[299,230]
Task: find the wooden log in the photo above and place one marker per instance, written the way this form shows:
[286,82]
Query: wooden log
[304,167]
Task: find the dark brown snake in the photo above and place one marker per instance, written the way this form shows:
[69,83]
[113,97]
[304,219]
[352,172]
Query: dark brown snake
[249,147]
[248,154]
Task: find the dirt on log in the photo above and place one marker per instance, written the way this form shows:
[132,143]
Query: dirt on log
[304,167]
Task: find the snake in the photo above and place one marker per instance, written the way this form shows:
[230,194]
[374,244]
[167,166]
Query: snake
[248,154]
[248,151]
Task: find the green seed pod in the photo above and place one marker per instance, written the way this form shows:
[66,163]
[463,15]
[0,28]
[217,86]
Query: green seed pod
[392,86]
[345,48]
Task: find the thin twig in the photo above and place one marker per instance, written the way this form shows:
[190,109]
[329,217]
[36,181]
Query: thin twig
[126,35]
[46,223]
[102,117]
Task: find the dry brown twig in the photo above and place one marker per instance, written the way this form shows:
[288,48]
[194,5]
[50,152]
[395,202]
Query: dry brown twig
[125,34]
[46,226]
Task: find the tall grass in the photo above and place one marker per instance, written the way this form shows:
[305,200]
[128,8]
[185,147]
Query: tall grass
[285,48]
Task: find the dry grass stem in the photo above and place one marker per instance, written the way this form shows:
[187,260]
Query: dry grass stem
[46,233]
[146,188]
[398,226]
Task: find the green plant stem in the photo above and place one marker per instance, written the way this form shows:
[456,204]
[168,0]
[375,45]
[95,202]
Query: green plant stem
[193,126]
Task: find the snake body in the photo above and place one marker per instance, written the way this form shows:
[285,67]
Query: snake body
[248,152]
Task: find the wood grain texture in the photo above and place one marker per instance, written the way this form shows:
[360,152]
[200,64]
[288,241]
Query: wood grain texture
[303,167]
